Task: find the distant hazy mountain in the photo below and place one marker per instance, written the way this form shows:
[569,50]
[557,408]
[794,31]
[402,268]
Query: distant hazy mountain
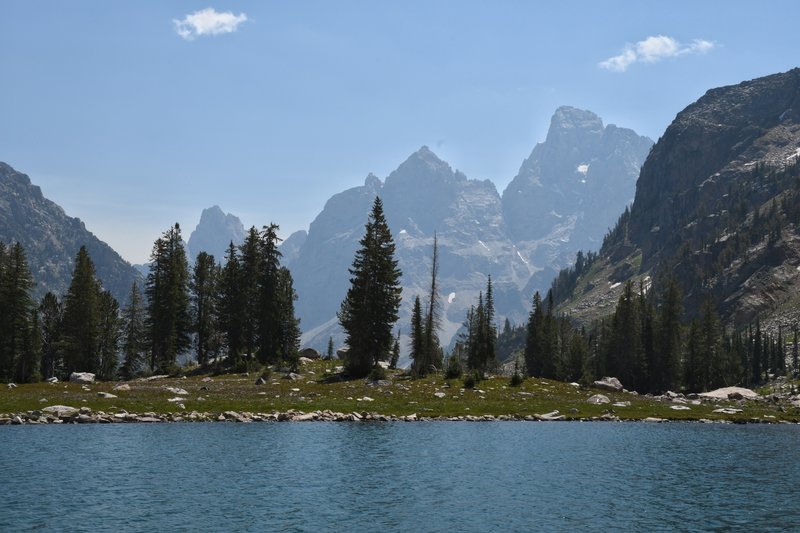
[546,215]
[52,239]
[214,233]
[572,188]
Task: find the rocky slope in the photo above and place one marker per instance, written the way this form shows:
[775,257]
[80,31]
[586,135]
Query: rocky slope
[51,239]
[215,231]
[718,206]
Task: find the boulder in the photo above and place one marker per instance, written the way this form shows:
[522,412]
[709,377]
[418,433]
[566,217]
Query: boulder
[304,360]
[439,394]
[341,353]
[106,395]
[12,385]
[609,384]
[598,399]
[725,393]
[52,380]
[261,381]
[60,410]
[122,387]
[310,353]
[81,377]
[178,391]
[292,376]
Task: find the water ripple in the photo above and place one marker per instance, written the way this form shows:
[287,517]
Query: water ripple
[399,477]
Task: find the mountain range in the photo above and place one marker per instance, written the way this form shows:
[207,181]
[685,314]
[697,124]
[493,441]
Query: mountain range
[568,192]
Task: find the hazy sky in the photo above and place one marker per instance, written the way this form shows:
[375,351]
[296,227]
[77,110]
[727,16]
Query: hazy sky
[135,115]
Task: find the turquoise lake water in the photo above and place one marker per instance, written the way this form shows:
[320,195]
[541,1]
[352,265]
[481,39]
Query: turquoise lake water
[424,476]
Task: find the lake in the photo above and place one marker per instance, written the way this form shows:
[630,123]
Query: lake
[423,476]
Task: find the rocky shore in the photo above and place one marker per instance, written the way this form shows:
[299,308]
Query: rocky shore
[62,414]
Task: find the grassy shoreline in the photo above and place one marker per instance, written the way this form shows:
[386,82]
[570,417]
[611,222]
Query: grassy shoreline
[318,390]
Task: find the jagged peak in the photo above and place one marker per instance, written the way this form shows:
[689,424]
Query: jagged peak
[568,118]
[372,181]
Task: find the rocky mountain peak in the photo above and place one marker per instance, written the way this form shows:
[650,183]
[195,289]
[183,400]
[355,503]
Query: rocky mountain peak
[574,127]
[573,184]
[215,231]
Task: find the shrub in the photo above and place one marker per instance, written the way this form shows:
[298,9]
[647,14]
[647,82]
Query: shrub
[378,374]
[516,379]
[453,368]
[472,379]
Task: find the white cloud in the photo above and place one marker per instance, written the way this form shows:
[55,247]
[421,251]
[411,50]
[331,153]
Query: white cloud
[208,22]
[654,49]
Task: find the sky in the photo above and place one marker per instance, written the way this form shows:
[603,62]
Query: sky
[136,115]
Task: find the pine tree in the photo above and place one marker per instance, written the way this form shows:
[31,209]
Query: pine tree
[370,308]
[251,272]
[287,327]
[134,333]
[81,324]
[433,351]
[28,368]
[16,303]
[395,352]
[50,318]
[231,315]
[203,288]
[167,291]
[666,363]
[534,342]
[418,359]
[329,352]
[108,335]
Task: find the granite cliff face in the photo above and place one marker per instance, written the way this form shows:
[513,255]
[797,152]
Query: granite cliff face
[215,231]
[51,239]
[717,206]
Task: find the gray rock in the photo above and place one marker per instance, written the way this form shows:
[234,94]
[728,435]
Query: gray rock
[609,384]
[106,395]
[12,385]
[60,410]
[122,387]
[81,377]
[261,381]
[598,399]
[177,390]
[52,380]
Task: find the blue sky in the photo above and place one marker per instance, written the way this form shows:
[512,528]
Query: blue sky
[135,115]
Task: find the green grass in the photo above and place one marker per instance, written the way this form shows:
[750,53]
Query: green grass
[320,390]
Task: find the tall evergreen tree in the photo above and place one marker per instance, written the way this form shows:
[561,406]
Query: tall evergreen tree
[108,335]
[534,342]
[231,314]
[665,366]
[287,327]
[418,359]
[50,317]
[433,319]
[134,333]
[251,264]
[369,310]
[81,324]
[203,288]
[167,290]
[16,303]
